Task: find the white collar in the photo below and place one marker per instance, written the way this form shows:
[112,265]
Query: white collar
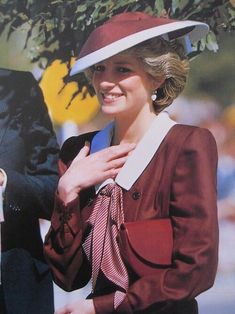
[143,153]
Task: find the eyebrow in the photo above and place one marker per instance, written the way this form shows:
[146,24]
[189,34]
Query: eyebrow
[122,63]
[116,63]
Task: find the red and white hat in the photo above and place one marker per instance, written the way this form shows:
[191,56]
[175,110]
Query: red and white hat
[128,29]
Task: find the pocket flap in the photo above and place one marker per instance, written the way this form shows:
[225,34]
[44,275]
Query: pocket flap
[152,240]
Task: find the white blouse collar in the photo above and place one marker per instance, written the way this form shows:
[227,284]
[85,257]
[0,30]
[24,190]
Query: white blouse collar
[143,153]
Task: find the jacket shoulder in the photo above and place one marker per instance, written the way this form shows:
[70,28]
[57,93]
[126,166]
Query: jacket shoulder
[185,133]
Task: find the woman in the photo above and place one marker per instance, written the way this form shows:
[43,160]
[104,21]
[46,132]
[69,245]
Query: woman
[126,190]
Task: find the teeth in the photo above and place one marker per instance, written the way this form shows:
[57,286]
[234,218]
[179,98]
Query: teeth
[111,96]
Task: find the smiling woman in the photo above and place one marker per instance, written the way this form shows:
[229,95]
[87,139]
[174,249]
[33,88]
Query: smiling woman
[135,207]
[123,87]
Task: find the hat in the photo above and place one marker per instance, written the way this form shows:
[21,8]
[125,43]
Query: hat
[128,29]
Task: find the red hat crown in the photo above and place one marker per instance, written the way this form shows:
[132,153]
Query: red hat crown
[128,29]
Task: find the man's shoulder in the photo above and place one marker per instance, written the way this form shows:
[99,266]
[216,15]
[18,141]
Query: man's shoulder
[17,83]
[6,72]
[9,75]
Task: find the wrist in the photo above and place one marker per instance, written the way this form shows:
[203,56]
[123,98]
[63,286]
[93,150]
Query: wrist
[67,192]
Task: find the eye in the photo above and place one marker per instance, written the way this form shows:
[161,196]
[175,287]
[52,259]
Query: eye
[123,69]
[98,68]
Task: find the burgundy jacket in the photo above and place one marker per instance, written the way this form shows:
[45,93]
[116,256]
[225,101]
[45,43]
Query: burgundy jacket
[180,183]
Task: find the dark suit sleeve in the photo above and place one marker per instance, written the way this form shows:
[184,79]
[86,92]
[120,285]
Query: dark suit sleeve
[194,219]
[33,186]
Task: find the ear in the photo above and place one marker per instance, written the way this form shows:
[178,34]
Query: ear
[158,83]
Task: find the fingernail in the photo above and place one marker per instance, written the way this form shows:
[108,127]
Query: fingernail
[87,143]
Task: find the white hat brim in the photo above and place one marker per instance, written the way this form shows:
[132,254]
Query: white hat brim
[199,31]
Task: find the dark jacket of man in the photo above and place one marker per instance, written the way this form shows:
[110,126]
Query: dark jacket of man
[28,155]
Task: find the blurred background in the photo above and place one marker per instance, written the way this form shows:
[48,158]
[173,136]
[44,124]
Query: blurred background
[208,101]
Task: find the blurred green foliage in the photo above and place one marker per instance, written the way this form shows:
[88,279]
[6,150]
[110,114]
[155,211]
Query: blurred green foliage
[66,23]
[213,74]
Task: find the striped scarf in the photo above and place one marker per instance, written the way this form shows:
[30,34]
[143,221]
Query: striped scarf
[101,246]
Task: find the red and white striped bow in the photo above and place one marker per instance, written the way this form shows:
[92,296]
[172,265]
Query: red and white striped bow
[101,245]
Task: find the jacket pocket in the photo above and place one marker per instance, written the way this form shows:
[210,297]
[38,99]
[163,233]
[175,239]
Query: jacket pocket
[146,245]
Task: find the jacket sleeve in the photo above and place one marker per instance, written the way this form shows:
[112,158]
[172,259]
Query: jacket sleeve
[63,246]
[63,242]
[193,213]
[34,185]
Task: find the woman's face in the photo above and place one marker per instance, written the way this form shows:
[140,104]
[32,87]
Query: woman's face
[122,85]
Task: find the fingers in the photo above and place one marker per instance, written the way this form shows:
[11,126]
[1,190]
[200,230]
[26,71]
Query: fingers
[116,163]
[113,167]
[2,177]
[67,309]
[120,150]
[63,310]
[107,154]
[114,152]
[83,152]
[87,170]
[112,173]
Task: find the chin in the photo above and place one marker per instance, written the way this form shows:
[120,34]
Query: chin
[109,110]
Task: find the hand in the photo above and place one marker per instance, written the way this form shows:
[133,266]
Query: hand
[78,307]
[87,170]
[1,178]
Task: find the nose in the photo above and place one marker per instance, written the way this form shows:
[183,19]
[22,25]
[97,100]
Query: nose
[109,74]
[106,84]
[105,80]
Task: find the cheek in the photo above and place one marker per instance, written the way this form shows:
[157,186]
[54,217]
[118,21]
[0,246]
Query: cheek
[140,88]
[131,84]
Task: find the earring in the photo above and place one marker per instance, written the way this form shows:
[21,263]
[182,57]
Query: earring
[154,95]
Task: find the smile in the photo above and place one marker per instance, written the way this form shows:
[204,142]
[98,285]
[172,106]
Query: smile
[111,96]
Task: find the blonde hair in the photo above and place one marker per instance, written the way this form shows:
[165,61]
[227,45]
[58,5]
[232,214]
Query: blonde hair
[162,60]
